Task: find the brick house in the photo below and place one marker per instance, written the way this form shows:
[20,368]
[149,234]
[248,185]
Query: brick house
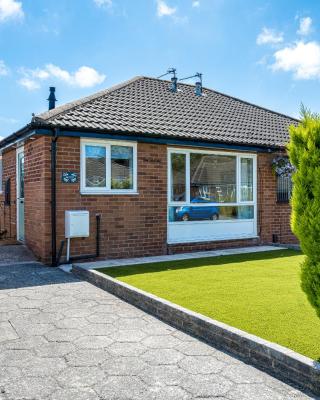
[160,168]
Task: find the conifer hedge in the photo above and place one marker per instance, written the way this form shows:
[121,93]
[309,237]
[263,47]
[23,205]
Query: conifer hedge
[304,153]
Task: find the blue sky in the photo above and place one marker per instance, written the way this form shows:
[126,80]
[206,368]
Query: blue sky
[265,52]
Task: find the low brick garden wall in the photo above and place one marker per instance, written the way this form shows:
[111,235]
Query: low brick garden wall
[275,359]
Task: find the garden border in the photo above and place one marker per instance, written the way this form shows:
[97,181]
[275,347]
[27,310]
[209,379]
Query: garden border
[271,357]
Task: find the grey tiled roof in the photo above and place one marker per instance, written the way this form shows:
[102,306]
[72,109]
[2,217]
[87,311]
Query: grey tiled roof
[147,106]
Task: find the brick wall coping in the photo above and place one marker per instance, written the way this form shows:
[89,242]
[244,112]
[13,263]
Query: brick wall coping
[180,256]
[279,361]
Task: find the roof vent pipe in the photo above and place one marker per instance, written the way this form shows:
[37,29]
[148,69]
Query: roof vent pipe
[174,79]
[174,84]
[52,98]
[198,84]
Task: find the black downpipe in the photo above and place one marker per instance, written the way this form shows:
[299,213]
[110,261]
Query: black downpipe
[98,220]
[60,252]
[55,260]
[54,198]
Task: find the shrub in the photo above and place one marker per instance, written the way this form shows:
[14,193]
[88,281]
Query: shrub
[304,153]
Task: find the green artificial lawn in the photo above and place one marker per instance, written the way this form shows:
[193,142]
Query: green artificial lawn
[258,292]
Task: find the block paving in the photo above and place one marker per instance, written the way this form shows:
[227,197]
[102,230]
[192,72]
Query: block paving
[62,338]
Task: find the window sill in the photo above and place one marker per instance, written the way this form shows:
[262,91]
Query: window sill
[110,193]
[208,239]
[207,221]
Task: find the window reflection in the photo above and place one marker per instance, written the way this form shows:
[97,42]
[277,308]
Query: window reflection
[246,179]
[121,167]
[95,166]
[213,178]
[178,177]
[209,212]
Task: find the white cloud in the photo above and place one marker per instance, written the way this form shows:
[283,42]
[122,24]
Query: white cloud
[57,72]
[103,3]
[29,84]
[269,36]
[302,59]
[164,10]
[196,3]
[10,9]
[305,26]
[83,77]
[4,70]
[88,77]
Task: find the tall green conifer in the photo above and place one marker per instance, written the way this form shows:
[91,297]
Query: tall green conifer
[304,153]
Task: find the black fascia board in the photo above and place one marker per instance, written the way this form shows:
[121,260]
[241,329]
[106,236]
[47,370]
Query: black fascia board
[157,139]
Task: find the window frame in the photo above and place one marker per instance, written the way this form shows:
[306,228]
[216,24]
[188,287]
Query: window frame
[107,189]
[238,202]
[284,199]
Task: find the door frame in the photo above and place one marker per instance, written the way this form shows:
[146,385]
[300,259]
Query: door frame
[18,151]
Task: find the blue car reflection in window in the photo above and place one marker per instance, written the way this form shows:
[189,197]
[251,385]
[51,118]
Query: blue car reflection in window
[189,213]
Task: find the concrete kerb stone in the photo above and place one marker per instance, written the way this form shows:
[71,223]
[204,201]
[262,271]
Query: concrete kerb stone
[273,358]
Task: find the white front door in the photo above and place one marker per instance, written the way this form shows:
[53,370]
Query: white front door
[20,194]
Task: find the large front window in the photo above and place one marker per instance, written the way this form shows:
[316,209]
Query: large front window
[108,167]
[211,189]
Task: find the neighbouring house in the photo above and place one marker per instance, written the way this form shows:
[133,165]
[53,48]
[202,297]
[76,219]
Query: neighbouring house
[160,169]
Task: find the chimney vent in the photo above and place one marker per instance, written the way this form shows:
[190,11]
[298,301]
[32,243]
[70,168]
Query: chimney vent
[174,84]
[174,79]
[198,85]
[52,98]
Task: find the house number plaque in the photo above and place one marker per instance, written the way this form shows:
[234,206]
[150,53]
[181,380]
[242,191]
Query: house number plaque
[69,177]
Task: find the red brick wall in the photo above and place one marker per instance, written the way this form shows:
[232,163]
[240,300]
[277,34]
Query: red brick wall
[273,217]
[131,225]
[38,196]
[8,213]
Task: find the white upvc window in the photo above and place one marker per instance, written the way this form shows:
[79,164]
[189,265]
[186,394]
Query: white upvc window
[211,195]
[108,167]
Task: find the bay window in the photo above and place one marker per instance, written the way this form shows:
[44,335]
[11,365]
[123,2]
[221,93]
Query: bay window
[108,167]
[211,195]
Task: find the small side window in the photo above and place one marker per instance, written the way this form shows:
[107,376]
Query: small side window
[284,188]
[108,167]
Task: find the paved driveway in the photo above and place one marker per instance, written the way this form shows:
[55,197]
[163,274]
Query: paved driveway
[15,253]
[61,339]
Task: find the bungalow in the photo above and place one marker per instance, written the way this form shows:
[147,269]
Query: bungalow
[154,168]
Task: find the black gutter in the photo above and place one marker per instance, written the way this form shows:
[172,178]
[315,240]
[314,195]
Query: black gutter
[55,135]
[157,139]
[24,132]
[16,136]
[43,128]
